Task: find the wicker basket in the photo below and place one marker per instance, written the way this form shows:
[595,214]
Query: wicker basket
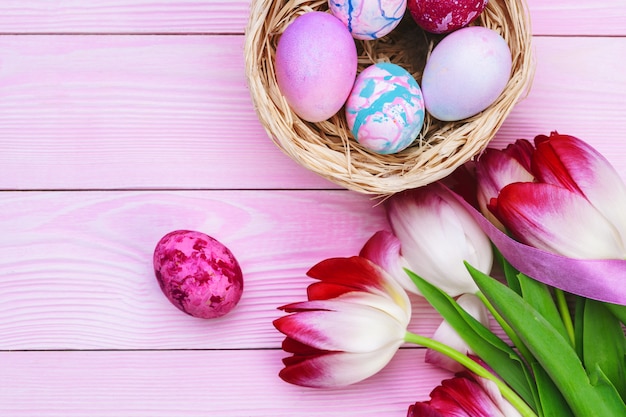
[328,147]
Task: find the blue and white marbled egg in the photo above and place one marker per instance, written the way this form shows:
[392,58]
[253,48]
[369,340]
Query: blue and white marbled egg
[385,109]
[368,19]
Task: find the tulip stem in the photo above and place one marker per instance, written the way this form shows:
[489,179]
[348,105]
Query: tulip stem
[511,396]
[566,317]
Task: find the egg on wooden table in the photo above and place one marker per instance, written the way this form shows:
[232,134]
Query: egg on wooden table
[385,110]
[316,64]
[368,19]
[445,16]
[465,73]
[197,273]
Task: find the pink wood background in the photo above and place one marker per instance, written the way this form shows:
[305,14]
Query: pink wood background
[121,120]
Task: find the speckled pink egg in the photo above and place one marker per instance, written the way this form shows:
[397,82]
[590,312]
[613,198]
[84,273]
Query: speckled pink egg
[316,63]
[197,273]
[445,16]
[465,73]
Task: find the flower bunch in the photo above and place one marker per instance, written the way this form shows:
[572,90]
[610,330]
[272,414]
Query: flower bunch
[553,215]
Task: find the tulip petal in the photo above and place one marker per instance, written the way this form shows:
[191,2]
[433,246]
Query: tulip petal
[337,369]
[447,335]
[326,290]
[464,393]
[361,274]
[341,326]
[437,235]
[299,349]
[494,393]
[423,409]
[383,248]
[572,163]
[496,169]
[554,219]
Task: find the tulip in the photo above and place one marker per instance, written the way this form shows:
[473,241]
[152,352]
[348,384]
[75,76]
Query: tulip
[437,235]
[465,395]
[575,208]
[353,323]
[497,168]
[573,164]
[447,335]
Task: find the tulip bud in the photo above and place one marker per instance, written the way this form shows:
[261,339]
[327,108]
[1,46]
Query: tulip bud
[436,236]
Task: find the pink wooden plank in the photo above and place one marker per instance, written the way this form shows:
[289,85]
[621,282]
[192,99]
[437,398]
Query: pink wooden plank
[108,112]
[575,17]
[196,383]
[133,112]
[557,17]
[76,270]
[579,89]
[123,16]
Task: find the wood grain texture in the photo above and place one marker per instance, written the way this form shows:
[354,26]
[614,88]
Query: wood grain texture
[100,95]
[123,16]
[76,267]
[557,17]
[579,89]
[196,384]
[124,112]
[133,112]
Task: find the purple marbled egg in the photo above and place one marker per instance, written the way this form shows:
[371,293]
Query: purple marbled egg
[316,63]
[197,274]
[385,110]
[368,19]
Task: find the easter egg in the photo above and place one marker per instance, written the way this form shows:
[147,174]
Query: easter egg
[367,19]
[465,73]
[445,16]
[197,273]
[316,61]
[385,110]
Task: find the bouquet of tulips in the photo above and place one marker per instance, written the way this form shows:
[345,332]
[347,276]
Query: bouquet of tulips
[552,215]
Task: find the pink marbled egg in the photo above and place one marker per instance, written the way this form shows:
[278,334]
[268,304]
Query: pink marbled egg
[445,16]
[316,62]
[197,273]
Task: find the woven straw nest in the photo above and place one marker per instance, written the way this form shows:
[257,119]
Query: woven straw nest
[328,147]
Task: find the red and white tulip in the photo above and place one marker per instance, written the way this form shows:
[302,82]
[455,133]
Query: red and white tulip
[573,208]
[352,324]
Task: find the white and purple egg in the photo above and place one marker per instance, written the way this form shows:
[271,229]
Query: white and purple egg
[466,73]
[385,110]
[368,19]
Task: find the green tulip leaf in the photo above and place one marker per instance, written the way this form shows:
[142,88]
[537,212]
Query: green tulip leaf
[538,295]
[553,352]
[618,311]
[603,344]
[510,273]
[488,346]
[551,400]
